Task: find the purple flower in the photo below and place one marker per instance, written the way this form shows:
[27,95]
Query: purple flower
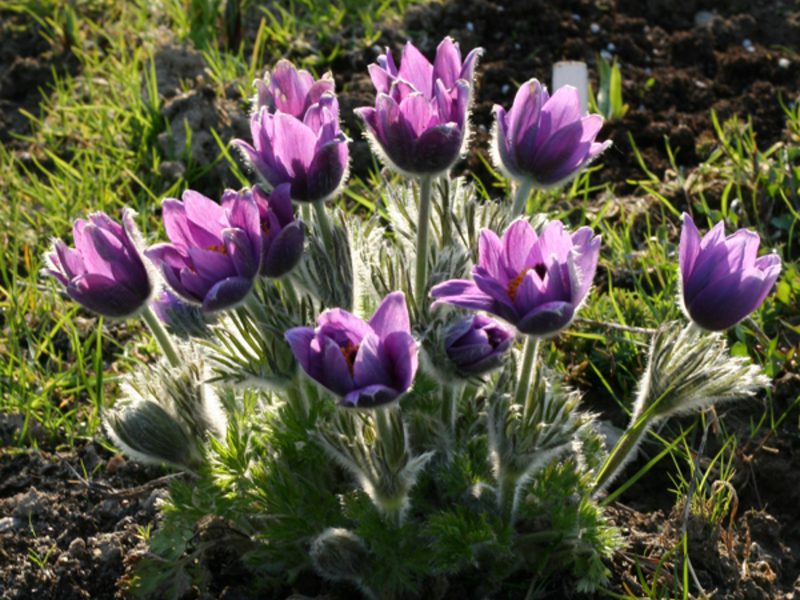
[215,252]
[297,136]
[722,281]
[105,271]
[291,91]
[367,364]
[419,123]
[535,283]
[545,139]
[476,345]
[282,236]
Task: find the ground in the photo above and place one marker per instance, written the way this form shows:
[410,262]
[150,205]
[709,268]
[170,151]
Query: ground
[69,530]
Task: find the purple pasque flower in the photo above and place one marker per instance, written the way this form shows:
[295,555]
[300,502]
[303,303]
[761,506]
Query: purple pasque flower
[477,344]
[291,91]
[215,252]
[282,235]
[297,136]
[105,272]
[536,283]
[419,123]
[545,139]
[722,281]
[366,364]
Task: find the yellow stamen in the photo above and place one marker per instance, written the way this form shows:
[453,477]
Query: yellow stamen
[349,354]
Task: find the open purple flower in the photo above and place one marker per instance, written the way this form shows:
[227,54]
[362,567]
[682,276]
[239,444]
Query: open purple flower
[297,136]
[105,272]
[291,91]
[419,123]
[544,139]
[535,283]
[722,280]
[366,364]
[215,252]
[282,236]
[476,344]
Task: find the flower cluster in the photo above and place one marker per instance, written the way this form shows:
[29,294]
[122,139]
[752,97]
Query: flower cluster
[385,378]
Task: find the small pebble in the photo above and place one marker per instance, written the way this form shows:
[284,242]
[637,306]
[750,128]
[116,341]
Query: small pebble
[646,29]
[751,50]
[505,89]
[594,28]
[114,463]
[517,46]
[377,49]
[783,63]
[703,18]
[606,54]
[482,127]
[747,43]
[470,26]
[700,84]
[576,17]
[611,47]
[648,70]
[501,9]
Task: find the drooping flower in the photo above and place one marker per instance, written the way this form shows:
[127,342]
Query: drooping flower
[476,344]
[105,271]
[282,236]
[722,280]
[291,91]
[419,123]
[545,139]
[535,283]
[366,364]
[215,252]
[297,136]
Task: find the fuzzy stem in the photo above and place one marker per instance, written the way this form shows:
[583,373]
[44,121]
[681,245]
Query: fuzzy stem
[423,228]
[162,337]
[447,225]
[291,293]
[622,453]
[296,398]
[325,227]
[393,448]
[506,495]
[305,210]
[449,408]
[524,382]
[521,197]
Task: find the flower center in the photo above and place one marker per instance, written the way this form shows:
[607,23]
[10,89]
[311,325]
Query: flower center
[221,249]
[541,271]
[349,354]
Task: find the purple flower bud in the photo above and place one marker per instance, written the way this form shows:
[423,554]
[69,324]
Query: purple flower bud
[535,283]
[366,364]
[291,91]
[282,236]
[419,123]
[105,271]
[215,252]
[545,139]
[721,279]
[476,345]
[297,136]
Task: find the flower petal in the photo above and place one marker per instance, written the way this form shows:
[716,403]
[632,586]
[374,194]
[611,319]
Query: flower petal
[104,296]
[369,397]
[391,315]
[447,64]
[400,359]
[547,319]
[227,293]
[416,69]
[285,251]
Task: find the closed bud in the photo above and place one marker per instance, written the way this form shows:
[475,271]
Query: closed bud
[339,555]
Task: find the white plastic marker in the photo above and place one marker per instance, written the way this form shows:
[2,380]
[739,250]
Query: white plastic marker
[573,73]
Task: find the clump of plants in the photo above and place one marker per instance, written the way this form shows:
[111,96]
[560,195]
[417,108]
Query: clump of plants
[364,398]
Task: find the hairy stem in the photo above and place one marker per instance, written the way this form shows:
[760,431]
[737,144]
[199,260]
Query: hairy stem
[423,229]
[449,409]
[506,496]
[162,337]
[288,289]
[622,453]
[521,197]
[524,381]
[325,227]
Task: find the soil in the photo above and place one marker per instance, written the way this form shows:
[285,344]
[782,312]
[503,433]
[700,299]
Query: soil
[680,60]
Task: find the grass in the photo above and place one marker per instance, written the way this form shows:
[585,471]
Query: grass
[93,147]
